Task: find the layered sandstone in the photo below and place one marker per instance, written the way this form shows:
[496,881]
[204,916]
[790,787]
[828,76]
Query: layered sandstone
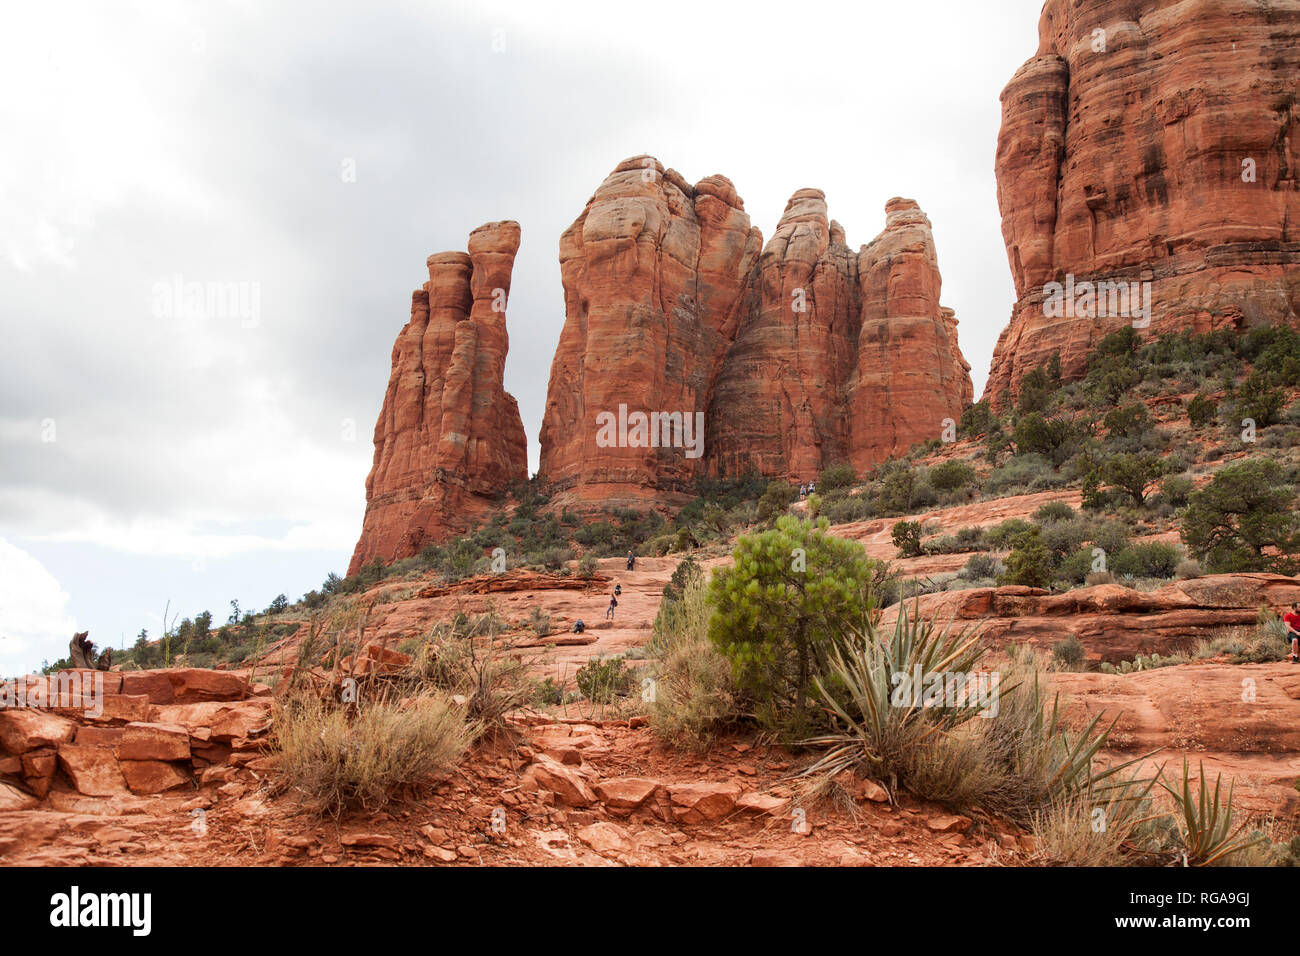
[653,273]
[1150,141]
[449,439]
[799,356]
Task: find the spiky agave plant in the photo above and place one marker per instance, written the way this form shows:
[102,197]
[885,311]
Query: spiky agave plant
[1205,820]
[876,723]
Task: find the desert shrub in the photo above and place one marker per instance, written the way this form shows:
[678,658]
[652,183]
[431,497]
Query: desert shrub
[1065,537]
[1177,489]
[1127,420]
[1030,562]
[1132,474]
[1244,519]
[980,566]
[339,759]
[977,420]
[1056,439]
[539,622]
[588,566]
[880,724]
[1187,569]
[999,536]
[547,693]
[906,536]
[1054,511]
[461,658]
[776,500]
[600,680]
[1068,653]
[695,695]
[1202,410]
[775,608]
[1205,819]
[897,481]
[1258,400]
[951,475]
[1154,559]
[842,475]
[1017,473]
[1075,568]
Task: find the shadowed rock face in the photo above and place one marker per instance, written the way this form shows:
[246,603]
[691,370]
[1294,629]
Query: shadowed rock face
[800,355]
[1151,141]
[449,438]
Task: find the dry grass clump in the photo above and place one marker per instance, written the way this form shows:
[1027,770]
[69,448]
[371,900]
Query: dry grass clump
[341,758]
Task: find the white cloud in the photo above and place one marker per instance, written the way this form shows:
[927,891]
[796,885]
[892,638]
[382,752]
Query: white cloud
[34,618]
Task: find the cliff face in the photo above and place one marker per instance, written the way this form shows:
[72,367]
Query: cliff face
[794,358]
[653,270]
[449,438]
[1150,142]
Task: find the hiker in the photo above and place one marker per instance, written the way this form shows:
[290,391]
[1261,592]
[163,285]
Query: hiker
[812,487]
[579,626]
[613,603]
[618,589]
[803,492]
[631,560]
[1292,622]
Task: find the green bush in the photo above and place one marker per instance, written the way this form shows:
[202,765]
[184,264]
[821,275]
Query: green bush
[1054,511]
[1177,489]
[980,566]
[1128,420]
[977,420]
[776,607]
[1069,653]
[1030,561]
[1156,559]
[1244,520]
[837,476]
[1202,410]
[951,475]
[776,500]
[907,538]
[601,680]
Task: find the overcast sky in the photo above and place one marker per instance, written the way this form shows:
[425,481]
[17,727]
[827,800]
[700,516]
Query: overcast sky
[310,156]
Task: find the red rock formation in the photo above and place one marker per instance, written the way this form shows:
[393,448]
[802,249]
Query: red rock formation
[652,271]
[805,355]
[1150,141]
[449,438]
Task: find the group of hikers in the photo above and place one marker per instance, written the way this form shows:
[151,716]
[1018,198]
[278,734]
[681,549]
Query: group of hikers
[579,625]
[807,489]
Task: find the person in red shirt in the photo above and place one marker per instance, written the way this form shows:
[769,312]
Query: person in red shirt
[1292,621]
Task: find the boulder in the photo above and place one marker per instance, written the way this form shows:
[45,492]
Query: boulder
[24,729]
[703,802]
[94,771]
[153,742]
[153,776]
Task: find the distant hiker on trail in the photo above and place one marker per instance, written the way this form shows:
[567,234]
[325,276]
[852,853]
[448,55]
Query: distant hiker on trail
[579,626]
[613,603]
[803,491]
[631,561]
[618,589]
[1292,622]
[812,487]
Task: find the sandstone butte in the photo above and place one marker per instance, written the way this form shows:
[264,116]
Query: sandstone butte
[1151,141]
[449,438]
[797,354]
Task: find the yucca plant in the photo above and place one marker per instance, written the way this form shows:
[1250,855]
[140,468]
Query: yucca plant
[878,721]
[1205,820]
